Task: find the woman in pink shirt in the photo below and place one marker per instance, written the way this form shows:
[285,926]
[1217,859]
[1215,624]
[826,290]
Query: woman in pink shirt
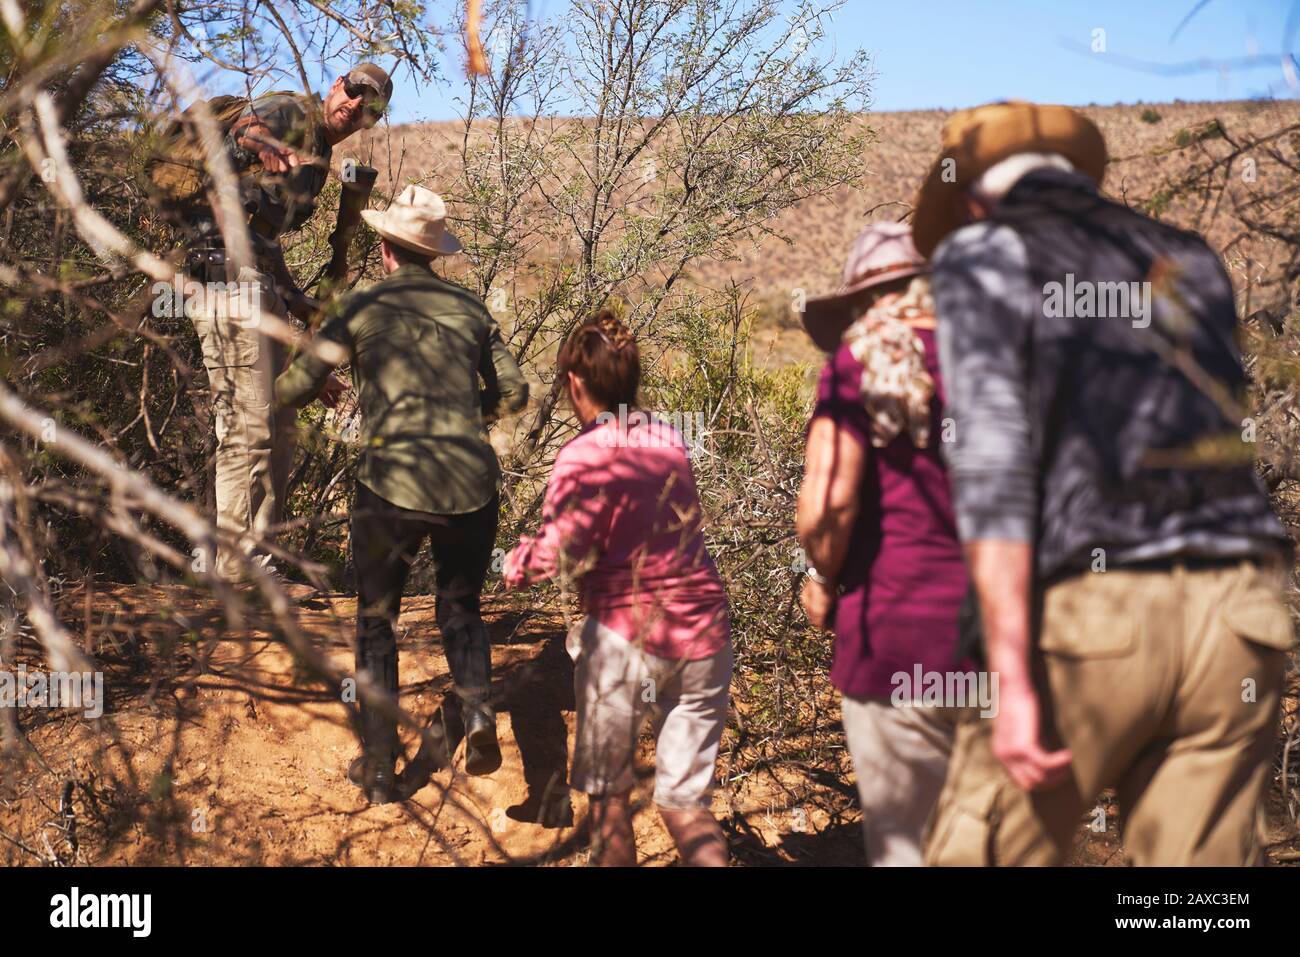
[622,518]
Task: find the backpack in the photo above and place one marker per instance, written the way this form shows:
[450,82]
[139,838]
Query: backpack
[176,169]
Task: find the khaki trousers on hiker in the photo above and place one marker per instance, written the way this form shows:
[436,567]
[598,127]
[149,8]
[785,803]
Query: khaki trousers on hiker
[1164,684]
[255,440]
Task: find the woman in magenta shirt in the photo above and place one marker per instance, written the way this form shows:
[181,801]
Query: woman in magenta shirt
[622,520]
[875,518]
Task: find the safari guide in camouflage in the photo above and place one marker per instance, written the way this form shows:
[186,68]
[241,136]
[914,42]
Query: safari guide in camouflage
[281,146]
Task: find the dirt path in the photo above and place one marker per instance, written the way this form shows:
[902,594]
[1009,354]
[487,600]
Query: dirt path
[216,750]
[245,763]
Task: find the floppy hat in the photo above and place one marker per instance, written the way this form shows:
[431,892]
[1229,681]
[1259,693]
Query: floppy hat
[882,253]
[975,139]
[417,220]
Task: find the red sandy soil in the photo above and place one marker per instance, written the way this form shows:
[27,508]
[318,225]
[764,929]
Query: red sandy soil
[242,761]
[246,762]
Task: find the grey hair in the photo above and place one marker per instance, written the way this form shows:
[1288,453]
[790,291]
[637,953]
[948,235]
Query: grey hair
[997,180]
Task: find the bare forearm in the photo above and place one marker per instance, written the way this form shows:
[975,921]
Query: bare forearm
[254,138]
[824,534]
[300,305]
[835,461]
[1003,573]
[283,278]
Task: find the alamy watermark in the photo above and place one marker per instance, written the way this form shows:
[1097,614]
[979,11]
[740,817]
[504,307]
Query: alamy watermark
[946,689]
[83,690]
[1098,300]
[690,425]
[192,299]
[133,912]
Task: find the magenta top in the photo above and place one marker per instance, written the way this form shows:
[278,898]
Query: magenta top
[904,577]
[622,514]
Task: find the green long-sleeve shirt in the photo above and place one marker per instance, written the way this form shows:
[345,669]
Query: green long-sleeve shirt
[418,346]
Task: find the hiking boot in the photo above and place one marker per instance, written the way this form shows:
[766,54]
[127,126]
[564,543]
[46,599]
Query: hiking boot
[376,778]
[375,771]
[482,753]
[434,755]
[296,591]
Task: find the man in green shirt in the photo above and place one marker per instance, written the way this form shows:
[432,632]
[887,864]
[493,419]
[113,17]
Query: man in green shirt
[419,346]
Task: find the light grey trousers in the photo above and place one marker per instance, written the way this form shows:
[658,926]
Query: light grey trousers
[900,758]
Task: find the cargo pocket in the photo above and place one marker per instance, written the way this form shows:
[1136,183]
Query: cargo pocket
[1255,612]
[963,828]
[227,344]
[1087,617]
[223,418]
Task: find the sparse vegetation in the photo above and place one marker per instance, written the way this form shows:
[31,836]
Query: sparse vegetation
[701,208]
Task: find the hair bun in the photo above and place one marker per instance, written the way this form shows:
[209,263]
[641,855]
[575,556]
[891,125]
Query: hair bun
[612,373]
[611,329]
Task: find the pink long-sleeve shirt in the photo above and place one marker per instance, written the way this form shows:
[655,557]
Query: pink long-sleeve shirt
[622,515]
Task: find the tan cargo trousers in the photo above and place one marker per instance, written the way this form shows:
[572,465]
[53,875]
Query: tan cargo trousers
[1164,684]
[255,440]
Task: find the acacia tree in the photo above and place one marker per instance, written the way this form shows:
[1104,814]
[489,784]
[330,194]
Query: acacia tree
[698,123]
[601,160]
[84,243]
[102,454]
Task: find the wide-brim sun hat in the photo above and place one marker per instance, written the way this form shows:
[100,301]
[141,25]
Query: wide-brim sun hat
[976,139]
[882,253]
[416,220]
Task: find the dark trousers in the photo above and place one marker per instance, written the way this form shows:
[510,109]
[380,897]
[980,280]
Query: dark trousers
[385,542]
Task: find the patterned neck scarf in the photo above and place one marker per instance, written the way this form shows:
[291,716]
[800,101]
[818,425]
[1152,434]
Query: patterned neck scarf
[896,388]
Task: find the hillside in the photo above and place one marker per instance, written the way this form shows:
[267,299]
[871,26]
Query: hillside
[820,229]
[1146,157]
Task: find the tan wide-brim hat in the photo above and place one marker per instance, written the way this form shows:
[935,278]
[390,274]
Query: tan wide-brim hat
[416,220]
[976,139]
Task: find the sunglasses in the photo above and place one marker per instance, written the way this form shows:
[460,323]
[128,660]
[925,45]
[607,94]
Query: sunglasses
[372,102]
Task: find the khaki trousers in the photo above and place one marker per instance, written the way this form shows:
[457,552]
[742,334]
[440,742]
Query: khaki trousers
[255,440]
[1164,684]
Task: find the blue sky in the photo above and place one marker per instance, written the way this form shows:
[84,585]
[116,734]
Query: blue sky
[981,51]
[957,53]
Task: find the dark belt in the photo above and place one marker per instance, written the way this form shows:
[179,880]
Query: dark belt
[1165,565]
[205,257]
[1193,563]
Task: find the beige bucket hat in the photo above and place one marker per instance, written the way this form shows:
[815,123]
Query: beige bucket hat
[416,220]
